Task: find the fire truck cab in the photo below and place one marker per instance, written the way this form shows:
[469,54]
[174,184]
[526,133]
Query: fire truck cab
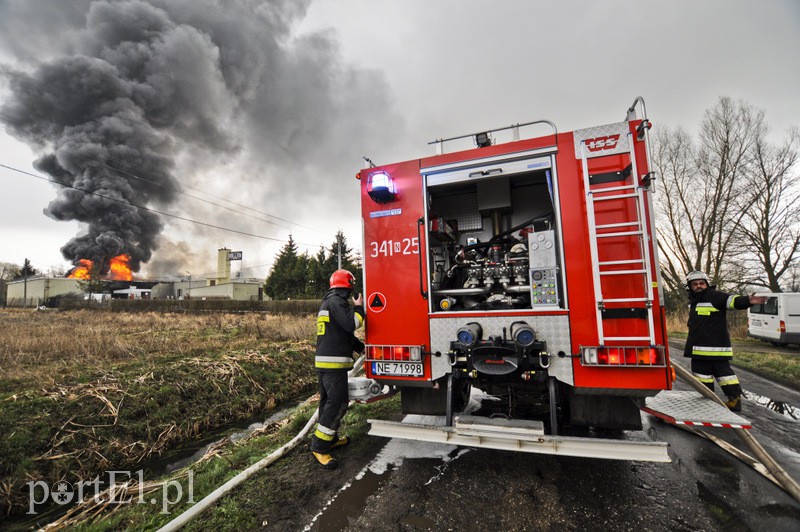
[526,268]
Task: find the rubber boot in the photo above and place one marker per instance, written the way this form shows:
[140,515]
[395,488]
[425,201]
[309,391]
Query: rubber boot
[342,442]
[327,461]
[734,404]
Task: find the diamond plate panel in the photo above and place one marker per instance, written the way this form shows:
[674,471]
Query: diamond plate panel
[600,134]
[552,329]
[693,408]
[461,207]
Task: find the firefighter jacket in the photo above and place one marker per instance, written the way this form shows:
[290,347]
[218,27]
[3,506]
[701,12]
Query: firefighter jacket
[708,337]
[336,323]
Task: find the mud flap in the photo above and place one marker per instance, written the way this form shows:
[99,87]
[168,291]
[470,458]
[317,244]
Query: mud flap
[604,411]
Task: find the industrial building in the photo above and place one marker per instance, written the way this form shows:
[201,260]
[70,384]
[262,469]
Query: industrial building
[34,291]
[216,286]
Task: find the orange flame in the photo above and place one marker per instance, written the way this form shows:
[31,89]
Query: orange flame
[82,271]
[120,271]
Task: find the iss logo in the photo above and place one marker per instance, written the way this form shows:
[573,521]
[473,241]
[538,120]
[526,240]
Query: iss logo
[608,142]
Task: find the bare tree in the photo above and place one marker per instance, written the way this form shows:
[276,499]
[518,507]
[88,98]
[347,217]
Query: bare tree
[728,134]
[679,240]
[9,271]
[700,215]
[771,228]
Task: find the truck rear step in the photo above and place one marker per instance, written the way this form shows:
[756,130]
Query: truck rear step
[516,435]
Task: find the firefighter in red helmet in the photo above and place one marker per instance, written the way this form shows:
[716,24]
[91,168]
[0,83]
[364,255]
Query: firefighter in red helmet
[708,343]
[337,321]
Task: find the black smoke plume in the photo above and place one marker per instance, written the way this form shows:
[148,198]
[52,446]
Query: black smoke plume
[128,91]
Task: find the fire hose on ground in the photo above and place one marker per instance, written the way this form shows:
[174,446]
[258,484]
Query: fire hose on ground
[184,518]
[778,474]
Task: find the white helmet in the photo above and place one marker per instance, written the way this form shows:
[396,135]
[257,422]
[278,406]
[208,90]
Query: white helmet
[697,275]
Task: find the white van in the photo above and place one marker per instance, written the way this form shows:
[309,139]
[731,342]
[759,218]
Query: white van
[777,321]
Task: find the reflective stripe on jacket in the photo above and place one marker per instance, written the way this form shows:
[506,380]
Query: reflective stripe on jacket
[708,336]
[336,322]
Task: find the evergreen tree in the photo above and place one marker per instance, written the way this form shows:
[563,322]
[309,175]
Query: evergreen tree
[351,261]
[27,270]
[301,276]
[280,283]
[317,280]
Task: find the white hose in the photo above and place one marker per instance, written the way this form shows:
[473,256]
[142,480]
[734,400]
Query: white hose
[184,518]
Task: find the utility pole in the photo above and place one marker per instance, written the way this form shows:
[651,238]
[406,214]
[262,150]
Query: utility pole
[339,245]
[25,285]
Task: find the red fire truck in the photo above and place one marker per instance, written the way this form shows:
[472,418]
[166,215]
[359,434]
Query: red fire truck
[525,268]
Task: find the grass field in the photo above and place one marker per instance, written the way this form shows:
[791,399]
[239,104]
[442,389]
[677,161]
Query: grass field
[83,392]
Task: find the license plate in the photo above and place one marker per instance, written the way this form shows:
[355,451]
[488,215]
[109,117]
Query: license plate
[405,369]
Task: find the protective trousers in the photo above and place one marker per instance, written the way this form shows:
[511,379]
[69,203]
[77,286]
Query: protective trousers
[708,370]
[333,401]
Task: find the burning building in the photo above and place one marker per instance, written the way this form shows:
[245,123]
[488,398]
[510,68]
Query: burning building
[118,269]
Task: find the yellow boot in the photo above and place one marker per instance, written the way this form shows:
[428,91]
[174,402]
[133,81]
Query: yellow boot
[735,404]
[341,442]
[327,461]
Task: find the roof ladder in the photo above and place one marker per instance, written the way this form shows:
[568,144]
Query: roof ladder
[599,236]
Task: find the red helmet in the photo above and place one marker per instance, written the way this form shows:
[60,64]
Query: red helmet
[343,279]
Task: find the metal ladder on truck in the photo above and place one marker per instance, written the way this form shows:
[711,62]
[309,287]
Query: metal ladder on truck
[635,188]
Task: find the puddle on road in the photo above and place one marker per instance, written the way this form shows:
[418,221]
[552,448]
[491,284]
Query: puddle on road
[349,503]
[721,510]
[785,409]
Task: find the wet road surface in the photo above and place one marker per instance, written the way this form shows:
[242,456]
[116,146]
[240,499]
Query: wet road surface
[425,486]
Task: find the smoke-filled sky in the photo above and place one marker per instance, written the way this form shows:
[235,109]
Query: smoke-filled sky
[264,108]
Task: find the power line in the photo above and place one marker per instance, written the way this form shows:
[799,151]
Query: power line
[105,157]
[150,209]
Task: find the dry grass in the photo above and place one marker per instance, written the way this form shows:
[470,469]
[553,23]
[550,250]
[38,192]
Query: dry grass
[34,344]
[83,392]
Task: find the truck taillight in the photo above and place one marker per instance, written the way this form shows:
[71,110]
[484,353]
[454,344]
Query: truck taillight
[783,326]
[410,353]
[622,356]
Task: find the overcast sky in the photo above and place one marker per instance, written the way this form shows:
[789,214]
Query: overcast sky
[290,98]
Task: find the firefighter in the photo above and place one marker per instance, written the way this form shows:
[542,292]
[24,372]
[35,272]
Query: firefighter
[709,343]
[336,322]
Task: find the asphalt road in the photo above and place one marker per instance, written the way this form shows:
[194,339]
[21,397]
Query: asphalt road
[420,486]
